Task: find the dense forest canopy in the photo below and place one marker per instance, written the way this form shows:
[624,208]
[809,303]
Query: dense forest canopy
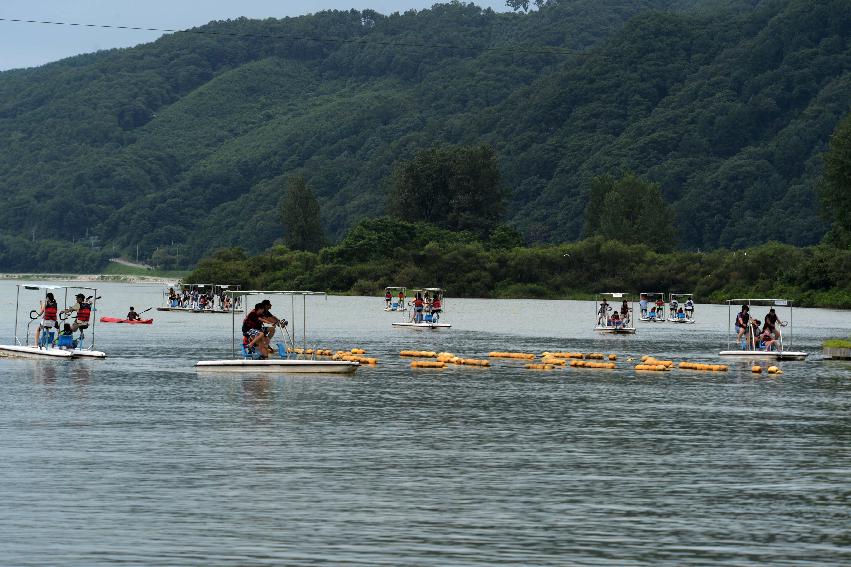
[727,105]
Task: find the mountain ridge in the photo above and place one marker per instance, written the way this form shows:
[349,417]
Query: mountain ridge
[172,141]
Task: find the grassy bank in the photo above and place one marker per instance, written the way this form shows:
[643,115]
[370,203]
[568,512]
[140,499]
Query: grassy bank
[114,269]
[837,343]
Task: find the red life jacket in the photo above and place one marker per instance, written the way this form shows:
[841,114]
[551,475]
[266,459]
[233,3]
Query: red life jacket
[435,304]
[84,313]
[418,302]
[50,311]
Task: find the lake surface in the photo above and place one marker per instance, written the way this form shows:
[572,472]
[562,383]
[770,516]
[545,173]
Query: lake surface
[139,460]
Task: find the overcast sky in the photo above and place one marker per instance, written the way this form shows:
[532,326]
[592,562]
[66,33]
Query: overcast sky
[29,45]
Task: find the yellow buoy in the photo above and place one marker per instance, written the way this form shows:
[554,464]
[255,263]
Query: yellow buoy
[756,369]
[427,364]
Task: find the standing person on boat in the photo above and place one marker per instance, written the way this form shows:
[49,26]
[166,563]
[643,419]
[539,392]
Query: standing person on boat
[673,306]
[603,313]
[772,319]
[660,308]
[689,308]
[388,297]
[132,315]
[742,322]
[83,313]
[48,311]
[401,299]
[419,305]
[642,304]
[625,311]
[436,308]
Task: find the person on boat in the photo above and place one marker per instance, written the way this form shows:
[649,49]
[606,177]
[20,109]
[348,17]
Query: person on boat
[388,297]
[173,299]
[616,320]
[772,319]
[83,312]
[681,315]
[271,320]
[419,306]
[660,308]
[642,304]
[754,332]
[132,315]
[652,313]
[741,325]
[625,311]
[401,299]
[252,331]
[603,313]
[767,337]
[689,308]
[673,306]
[48,311]
[436,308]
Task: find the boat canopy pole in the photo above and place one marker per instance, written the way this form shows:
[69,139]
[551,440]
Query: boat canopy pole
[729,331]
[17,297]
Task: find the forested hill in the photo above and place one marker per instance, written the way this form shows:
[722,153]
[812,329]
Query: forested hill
[727,104]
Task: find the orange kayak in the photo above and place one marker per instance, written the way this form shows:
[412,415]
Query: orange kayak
[128,321]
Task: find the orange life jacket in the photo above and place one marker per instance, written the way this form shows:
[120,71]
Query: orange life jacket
[50,311]
[84,313]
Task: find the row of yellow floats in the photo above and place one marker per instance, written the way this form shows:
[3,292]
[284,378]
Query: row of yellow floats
[353,355]
[443,359]
[549,360]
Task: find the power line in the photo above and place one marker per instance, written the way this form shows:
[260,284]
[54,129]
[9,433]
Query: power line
[318,39]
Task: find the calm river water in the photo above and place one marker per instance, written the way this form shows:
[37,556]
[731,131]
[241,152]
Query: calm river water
[139,460]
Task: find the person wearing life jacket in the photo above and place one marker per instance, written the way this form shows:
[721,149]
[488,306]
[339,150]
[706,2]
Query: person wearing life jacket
[689,308]
[419,305]
[252,331]
[132,315]
[49,316]
[387,298]
[83,312]
[270,321]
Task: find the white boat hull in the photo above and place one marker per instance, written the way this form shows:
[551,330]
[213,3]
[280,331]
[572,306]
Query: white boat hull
[279,366]
[615,330]
[771,354]
[649,320]
[424,325]
[682,321]
[86,353]
[35,352]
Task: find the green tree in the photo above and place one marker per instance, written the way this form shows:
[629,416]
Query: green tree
[302,218]
[523,5]
[454,187]
[836,186]
[630,210]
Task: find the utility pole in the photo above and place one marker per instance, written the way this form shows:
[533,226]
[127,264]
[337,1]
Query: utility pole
[137,253]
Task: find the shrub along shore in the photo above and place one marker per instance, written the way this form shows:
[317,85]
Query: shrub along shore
[384,252]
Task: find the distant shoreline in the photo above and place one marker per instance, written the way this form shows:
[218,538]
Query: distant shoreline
[112,278]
